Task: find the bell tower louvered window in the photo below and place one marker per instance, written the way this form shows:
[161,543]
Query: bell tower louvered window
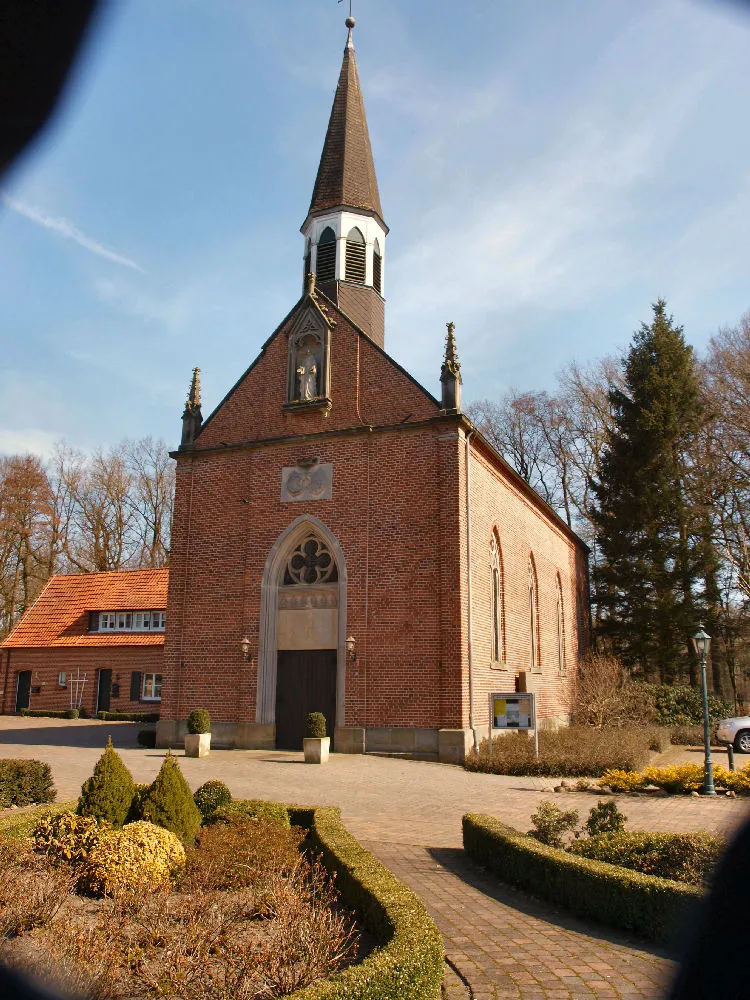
[377,268]
[326,269]
[356,257]
[308,262]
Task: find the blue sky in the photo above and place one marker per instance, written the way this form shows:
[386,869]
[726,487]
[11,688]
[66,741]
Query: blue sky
[548,169]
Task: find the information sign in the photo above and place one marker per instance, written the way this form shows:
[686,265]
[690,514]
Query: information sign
[513,710]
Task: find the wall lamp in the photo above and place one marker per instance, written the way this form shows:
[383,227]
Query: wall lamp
[246,647]
[351,650]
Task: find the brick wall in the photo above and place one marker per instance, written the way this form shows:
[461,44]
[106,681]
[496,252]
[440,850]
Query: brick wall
[398,512]
[46,664]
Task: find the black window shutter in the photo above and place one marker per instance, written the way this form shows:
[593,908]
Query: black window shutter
[135,686]
[93,621]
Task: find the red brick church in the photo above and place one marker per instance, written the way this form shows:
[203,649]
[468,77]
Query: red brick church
[343,540]
[346,542]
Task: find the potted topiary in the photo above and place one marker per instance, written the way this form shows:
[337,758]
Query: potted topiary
[198,736]
[317,745]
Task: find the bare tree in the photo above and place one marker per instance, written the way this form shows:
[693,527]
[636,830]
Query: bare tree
[151,496]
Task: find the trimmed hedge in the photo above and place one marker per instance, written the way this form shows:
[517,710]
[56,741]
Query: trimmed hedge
[408,964]
[128,716]
[25,782]
[654,908]
[57,713]
[684,857]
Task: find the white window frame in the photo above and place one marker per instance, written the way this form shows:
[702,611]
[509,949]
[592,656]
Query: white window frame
[496,603]
[560,629]
[132,621]
[151,679]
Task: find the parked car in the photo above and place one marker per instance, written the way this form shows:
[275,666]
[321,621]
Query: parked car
[736,732]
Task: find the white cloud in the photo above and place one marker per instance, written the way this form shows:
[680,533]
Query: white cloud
[31,441]
[68,231]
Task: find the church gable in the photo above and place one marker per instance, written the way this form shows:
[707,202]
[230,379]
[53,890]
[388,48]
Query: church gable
[317,373]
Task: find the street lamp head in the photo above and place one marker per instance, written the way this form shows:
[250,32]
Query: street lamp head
[701,642]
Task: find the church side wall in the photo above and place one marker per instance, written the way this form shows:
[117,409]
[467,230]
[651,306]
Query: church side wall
[393,510]
[523,533]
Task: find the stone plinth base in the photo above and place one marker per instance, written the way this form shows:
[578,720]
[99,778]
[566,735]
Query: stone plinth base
[347,739]
[454,744]
[224,735]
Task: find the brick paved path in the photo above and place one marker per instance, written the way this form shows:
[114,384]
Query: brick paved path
[504,943]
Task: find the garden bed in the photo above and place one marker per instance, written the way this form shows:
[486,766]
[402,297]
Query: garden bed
[652,907]
[263,902]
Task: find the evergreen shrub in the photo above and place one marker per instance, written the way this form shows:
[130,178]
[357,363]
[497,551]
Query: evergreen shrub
[25,782]
[51,713]
[654,908]
[573,751]
[128,716]
[199,721]
[682,705]
[169,802]
[211,796]
[66,836]
[108,794]
[136,806]
[551,823]
[684,857]
[250,809]
[315,725]
[138,856]
[605,817]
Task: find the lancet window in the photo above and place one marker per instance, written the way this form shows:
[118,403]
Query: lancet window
[356,257]
[377,268]
[496,600]
[533,636]
[326,262]
[560,629]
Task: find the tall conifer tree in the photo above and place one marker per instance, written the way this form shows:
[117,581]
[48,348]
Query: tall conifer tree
[649,562]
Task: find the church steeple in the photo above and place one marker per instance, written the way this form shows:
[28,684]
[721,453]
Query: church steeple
[192,418]
[344,230]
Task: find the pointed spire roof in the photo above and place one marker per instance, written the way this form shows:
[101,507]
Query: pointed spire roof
[346,175]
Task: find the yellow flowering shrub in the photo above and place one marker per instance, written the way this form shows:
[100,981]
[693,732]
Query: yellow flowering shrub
[140,854]
[676,778]
[734,781]
[66,836]
[622,781]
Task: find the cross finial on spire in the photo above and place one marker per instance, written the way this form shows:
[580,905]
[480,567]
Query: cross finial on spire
[350,22]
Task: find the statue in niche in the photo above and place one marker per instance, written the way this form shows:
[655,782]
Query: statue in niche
[307,368]
[307,374]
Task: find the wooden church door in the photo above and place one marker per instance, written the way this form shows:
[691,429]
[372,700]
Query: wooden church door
[305,682]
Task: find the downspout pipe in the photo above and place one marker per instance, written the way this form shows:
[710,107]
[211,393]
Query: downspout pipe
[472,723]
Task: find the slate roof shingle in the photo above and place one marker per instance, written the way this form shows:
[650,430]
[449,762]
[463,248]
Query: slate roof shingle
[59,616]
[346,175]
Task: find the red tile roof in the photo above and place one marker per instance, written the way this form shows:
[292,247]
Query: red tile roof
[59,616]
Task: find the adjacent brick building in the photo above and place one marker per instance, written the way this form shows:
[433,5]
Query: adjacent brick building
[327,514]
[92,641]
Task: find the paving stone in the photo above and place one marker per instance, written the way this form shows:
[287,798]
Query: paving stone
[506,944]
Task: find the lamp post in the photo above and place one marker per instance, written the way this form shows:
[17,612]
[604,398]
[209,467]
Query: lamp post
[701,645]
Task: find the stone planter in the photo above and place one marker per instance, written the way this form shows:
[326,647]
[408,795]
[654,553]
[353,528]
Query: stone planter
[317,749]
[197,744]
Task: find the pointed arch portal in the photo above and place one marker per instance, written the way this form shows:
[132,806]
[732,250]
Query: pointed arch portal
[302,634]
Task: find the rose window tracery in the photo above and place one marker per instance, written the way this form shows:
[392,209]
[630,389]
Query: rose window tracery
[310,563]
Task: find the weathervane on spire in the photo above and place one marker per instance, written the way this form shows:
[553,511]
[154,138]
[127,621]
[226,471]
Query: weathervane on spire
[350,7]
[350,22]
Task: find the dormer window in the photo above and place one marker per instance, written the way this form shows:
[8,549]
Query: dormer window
[377,268]
[326,263]
[127,621]
[356,257]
